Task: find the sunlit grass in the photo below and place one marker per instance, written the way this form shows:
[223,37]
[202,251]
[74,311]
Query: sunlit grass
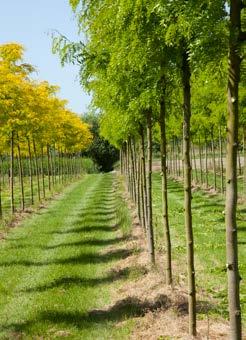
[55,268]
[209,238]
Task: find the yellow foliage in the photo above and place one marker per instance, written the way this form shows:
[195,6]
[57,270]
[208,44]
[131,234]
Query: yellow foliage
[33,110]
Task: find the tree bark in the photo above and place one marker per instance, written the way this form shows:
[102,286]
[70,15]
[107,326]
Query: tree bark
[200,159]
[12,173]
[150,233]
[21,177]
[42,170]
[214,161]
[163,145]
[231,172]
[36,169]
[186,74]
[194,158]
[206,161]
[30,170]
[48,167]
[143,165]
[221,163]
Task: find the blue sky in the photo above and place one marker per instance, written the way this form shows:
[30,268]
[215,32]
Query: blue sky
[29,22]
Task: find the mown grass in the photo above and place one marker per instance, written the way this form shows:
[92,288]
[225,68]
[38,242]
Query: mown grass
[55,267]
[57,185]
[209,238]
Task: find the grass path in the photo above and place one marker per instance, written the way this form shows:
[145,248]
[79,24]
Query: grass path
[54,269]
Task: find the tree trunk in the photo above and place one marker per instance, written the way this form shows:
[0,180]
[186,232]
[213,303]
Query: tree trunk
[231,172]
[30,170]
[187,193]
[239,163]
[150,233]
[214,161]
[206,161]
[36,169]
[52,167]
[59,166]
[12,173]
[194,158]
[144,177]
[21,177]
[163,144]
[48,167]
[200,159]
[133,171]
[42,170]
[221,163]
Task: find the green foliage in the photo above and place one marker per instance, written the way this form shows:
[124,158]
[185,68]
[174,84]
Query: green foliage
[101,151]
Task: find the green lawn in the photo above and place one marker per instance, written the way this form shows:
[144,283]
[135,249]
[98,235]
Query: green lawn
[56,270]
[53,274]
[209,237]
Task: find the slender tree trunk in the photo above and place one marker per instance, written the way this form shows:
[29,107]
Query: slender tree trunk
[187,194]
[183,170]
[133,172]
[221,163]
[138,167]
[21,177]
[231,172]
[144,176]
[200,159]
[121,160]
[194,158]
[150,233]
[59,166]
[2,171]
[179,159]
[206,161]
[42,170]
[12,173]
[36,169]
[62,167]
[52,167]
[239,164]
[49,167]
[163,144]
[143,212]
[30,170]
[214,161]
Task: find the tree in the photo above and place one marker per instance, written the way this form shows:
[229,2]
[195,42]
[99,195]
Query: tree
[234,61]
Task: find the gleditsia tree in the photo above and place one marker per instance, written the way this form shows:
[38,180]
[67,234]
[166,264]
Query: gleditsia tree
[186,25]
[237,37]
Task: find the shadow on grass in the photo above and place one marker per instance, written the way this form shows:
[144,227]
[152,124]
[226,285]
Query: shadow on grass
[87,229]
[121,310]
[85,258]
[202,307]
[89,242]
[96,212]
[68,281]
